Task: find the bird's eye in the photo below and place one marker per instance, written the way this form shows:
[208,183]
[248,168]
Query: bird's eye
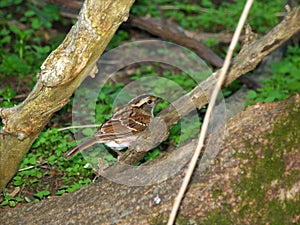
[149,101]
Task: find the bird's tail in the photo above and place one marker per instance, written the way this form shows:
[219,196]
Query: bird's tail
[80,147]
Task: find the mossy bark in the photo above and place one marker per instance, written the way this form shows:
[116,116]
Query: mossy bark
[253,180]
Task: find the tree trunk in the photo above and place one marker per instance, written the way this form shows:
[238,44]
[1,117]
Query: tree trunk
[253,180]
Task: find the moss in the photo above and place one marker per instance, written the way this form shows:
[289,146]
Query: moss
[259,188]
[267,175]
[158,220]
[180,220]
[216,218]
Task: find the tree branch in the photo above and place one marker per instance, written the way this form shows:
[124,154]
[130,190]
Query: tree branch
[248,58]
[62,72]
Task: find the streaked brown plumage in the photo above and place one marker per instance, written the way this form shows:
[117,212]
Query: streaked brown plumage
[124,126]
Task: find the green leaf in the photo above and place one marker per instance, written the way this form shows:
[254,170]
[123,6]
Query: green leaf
[16,30]
[60,192]
[251,94]
[19,199]
[32,160]
[18,181]
[74,187]
[4,203]
[12,203]
[42,194]
[27,199]
[6,3]
[29,13]
[52,159]
[36,23]
[39,174]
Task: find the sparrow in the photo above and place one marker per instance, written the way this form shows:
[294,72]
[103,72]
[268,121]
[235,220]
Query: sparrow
[124,126]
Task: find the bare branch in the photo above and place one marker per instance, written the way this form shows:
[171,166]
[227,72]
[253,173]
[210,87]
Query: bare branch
[247,59]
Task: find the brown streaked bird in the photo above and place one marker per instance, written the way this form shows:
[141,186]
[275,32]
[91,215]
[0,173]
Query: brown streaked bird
[124,126]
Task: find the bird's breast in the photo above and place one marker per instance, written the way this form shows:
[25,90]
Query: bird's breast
[120,144]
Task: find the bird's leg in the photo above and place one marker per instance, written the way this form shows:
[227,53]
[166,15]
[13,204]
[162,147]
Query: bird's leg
[101,167]
[120,154]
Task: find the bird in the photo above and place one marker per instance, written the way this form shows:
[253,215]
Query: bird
[123,127]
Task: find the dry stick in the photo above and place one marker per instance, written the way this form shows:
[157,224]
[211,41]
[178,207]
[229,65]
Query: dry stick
[79,126]
[211,104]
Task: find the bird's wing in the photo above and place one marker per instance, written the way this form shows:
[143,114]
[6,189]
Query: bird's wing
[114,126]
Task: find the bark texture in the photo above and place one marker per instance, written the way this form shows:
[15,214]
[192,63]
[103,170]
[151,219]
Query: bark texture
[253,180]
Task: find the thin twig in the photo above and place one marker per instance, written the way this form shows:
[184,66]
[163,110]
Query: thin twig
[32,167]
[79,126]
[211,104]
[26,168]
